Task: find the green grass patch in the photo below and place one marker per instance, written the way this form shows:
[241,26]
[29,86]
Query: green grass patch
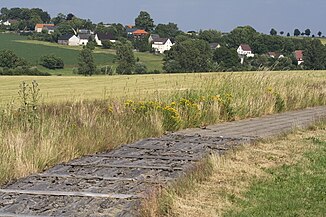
[32,51]
[297,190]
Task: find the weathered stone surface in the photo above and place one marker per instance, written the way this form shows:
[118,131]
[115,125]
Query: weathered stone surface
[110,184]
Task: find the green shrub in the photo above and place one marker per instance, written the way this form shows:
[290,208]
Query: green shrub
[51,62]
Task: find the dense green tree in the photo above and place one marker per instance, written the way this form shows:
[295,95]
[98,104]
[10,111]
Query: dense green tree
[281,32]
[169,30]
[296,32]
[314,55]
[241,35]
[265,43]
[141,44]
[64,28]
[189,56]
[91,45]
[226,58]
[210,35]
[288,35]
[51,62]
[117,30]
[86,65]
[10,60]
[140,68]
[319,33]
[107,44]
[273,32]
[60,18]
[34,15]
[70,16]
[144,21]
[183,37]
[307,32]
[126,59]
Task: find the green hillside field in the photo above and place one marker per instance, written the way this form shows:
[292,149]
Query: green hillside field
[33,50]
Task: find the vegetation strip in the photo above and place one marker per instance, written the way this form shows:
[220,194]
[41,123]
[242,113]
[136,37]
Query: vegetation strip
[139,169]
[278,177]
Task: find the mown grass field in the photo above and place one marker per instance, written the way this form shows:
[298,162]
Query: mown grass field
[71,88]
[33,50]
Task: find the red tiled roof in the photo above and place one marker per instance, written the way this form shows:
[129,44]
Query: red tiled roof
[245,47]
[140,32]
[41,25]
[298,54]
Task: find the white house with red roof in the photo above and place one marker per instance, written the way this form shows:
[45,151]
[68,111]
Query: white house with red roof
[244,50]
[39,27]
[299,56]
[161,44]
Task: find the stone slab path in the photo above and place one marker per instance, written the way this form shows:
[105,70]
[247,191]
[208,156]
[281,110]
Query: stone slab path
[112,183]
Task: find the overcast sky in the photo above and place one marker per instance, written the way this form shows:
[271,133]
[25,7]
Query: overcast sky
[223,15]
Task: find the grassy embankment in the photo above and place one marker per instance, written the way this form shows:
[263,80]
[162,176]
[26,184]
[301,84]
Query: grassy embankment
[35,136]
[33,50]
[323,40]
[282,177]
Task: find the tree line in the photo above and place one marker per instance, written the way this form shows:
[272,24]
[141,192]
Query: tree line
[192,51]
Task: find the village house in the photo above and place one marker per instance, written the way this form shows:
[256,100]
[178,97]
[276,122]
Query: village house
[83,38]
[275,55]
[140,33]
[160,45]
[130,32]
[68,39]
[298,54]
[100,37]
[152,37]
[214,46]
[41,26]
[49,29]
[85,31]
[244,50]
[9,22]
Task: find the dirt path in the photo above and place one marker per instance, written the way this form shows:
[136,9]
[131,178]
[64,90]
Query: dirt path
[111,184]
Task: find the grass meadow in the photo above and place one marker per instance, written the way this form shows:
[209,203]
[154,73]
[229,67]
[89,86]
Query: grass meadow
[32,51]
[47,124]
[280,177]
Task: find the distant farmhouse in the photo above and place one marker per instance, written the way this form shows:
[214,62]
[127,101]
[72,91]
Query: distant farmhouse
[101,37]
[160,45]
[139,33]
[298,54]
[152,37]
[244,50]
[136,33]
[83,38]
[9,22]
[68,39]
[275,55]
[214,46]
[40,27]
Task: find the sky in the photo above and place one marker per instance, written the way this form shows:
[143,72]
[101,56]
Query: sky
[223,15]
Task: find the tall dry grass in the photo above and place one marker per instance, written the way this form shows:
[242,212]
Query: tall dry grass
[36,136]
